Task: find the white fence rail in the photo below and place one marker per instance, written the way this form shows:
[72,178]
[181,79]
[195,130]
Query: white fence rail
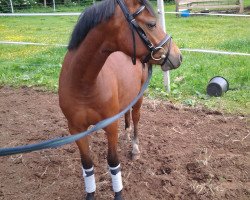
[211,14]
[77,14]
[182,49]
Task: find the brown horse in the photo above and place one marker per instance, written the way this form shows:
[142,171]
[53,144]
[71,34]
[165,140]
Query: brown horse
[98,78]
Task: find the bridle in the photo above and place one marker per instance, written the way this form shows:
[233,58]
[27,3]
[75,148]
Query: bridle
[135,27]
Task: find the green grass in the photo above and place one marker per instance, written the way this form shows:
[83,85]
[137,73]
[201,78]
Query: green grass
[190,80]
[246,3]
[40,66]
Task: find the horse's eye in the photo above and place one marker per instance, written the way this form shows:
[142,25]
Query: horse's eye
[151,25]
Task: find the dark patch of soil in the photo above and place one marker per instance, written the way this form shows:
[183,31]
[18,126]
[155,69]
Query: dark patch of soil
[185,153]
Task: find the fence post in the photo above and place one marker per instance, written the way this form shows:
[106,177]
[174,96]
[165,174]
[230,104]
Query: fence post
[161,13]
[177,7]
[241,6]
[11,6]
[54,6]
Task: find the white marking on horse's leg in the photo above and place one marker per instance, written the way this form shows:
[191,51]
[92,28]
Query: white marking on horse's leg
[135,150]
[116,177]
[128,132]
[89,180]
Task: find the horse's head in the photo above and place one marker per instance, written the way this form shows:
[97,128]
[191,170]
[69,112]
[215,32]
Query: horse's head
[130,26]
[141,35]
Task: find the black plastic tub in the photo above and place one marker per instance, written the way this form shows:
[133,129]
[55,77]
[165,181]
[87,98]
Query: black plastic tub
[217,86]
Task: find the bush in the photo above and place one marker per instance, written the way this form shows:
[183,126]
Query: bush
[17,4]
[4,6]
[169,1]
[26,4]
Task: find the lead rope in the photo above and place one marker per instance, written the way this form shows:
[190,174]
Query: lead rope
[56,142]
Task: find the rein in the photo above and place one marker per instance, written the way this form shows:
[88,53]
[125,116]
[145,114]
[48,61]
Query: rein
[69,139]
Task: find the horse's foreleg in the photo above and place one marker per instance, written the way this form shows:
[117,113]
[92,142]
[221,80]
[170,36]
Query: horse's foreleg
[113,161]
[87,164]
[135,140]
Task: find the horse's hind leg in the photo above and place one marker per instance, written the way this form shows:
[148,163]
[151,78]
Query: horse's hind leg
[128,127]
[113,161]
[87,164]
[136,118]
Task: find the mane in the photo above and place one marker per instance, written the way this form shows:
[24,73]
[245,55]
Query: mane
[91,17]
[94,15]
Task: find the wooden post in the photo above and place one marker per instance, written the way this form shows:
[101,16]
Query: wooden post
[241,6]
[161,13]
[177,7]
[45,3]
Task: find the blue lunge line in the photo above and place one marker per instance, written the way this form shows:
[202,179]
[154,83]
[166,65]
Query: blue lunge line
[56,142]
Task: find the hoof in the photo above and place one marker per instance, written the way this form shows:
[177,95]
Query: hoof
[135,156]
[118,196]
[90,196]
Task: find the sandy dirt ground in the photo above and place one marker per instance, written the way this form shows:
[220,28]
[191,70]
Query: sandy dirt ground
[185,153]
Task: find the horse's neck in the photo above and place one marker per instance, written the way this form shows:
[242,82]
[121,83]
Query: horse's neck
[89,58]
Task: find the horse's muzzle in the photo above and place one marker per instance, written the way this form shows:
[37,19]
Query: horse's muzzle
[171,63]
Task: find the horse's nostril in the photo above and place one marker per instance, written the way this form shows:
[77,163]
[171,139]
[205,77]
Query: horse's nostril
[180,57]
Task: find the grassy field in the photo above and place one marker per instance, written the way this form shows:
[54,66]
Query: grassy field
[40,66]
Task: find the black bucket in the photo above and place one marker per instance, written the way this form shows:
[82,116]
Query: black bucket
[217,86]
